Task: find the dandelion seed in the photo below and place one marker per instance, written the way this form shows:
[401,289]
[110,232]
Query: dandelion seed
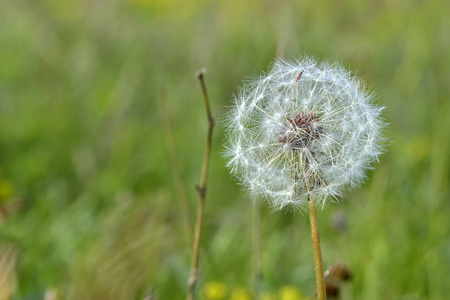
[318,142]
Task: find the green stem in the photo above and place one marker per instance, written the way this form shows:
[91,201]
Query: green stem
[256,249]
[320,281]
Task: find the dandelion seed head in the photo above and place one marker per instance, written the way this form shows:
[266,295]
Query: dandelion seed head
[306,129]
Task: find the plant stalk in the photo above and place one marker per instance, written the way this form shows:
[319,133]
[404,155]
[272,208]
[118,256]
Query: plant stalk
[201,189]
[256,249]
[320,281]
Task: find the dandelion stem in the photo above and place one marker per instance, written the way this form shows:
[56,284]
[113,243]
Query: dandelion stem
[201,189]
[320,282]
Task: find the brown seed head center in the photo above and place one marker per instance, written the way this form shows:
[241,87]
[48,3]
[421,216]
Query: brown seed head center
[297,132]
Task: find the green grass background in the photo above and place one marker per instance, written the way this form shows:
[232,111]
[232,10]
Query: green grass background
[102,132]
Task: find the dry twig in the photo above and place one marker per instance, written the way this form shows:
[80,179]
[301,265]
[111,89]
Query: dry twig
[201,189]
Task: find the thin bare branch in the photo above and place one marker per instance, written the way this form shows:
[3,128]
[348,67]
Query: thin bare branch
[201,189]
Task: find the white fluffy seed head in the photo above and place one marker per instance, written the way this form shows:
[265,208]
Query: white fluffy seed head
[306,129]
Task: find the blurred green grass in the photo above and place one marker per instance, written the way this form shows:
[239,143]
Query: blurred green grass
[91,204]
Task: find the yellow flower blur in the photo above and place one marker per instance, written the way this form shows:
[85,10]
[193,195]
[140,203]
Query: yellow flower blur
[215,290]
[290,293]
[240,293]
